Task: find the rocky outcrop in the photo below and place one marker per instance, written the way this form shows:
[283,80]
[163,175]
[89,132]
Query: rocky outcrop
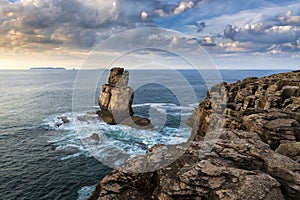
[115,101]
[269,106]
[230,154]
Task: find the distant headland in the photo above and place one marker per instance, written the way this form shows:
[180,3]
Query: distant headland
[47,68]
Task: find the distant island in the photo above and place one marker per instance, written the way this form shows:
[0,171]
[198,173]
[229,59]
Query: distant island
[47,68]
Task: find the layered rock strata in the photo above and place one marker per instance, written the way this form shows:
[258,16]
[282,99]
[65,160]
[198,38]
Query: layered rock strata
[244,145]
[115,101]
[268,106]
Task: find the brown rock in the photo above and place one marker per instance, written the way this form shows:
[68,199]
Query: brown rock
[290,149]
[65,119]
[118,77]
[238,166]
[137,122]
[115,101]
[230,153]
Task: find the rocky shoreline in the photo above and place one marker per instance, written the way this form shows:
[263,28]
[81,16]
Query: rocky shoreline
[244,144]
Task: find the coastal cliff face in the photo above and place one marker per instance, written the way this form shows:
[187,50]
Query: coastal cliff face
[244,144]
[268,106]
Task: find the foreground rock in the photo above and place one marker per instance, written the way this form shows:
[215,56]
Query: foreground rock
[230,154]
[238,166]
[115,101]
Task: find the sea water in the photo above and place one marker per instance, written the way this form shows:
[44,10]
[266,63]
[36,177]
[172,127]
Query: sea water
[42,158]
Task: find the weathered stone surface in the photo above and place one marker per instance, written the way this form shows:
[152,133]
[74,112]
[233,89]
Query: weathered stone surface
[290,149]
[137,122]
[65,119]
[93,139]
[118,77]
[268,106]
[115,101]
[238,166]
[230,154]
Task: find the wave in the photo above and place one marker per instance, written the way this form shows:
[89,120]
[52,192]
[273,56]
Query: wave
[85,192]
[86,134]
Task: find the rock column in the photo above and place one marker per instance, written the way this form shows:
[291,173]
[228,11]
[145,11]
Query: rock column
[115,101]
[116,97]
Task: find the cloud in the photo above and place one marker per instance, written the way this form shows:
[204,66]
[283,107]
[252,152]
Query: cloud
[33,25]
[261,33]
[279,36]
[144,16]
[183,6]
[270,27]
[204,10]
[72,23]
[289,19]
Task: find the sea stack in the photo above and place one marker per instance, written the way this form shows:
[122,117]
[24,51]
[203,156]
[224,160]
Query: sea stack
[115,101]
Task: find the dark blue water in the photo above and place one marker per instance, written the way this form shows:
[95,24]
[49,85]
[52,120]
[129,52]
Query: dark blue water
[41,161]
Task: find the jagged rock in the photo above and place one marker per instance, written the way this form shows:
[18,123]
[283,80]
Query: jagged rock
[230,154]
[238,166]
[95,137]
[106,116]
[65,119]
[92,140]
[115,101]
[290,149]
[268,106]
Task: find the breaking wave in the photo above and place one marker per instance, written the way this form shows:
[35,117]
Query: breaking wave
[72,134]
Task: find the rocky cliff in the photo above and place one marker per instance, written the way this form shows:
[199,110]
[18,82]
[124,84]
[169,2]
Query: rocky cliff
[244,145]
[115,101]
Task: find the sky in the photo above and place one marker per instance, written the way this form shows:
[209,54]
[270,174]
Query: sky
[245,34]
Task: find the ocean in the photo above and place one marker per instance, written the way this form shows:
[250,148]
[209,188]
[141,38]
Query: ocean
[42,158]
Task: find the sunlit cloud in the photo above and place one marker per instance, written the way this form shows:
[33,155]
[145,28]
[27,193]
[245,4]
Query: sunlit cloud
[69,29]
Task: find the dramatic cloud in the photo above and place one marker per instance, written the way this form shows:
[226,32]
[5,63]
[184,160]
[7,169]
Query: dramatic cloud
[37,25]
[81,23]
[222,27]
[279,36]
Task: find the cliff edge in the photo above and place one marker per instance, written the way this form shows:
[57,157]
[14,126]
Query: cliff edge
[244,144]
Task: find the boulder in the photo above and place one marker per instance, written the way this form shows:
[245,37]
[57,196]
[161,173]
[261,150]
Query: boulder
[137,122]
[65,119]
[290,149]
[92,140]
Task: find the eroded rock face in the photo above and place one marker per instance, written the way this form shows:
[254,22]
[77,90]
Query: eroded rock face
[230,154]
[238,166]
[115,101]
[269,106]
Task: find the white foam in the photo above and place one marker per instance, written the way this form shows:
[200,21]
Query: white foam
[114,139]
[85,192]
[74,155]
